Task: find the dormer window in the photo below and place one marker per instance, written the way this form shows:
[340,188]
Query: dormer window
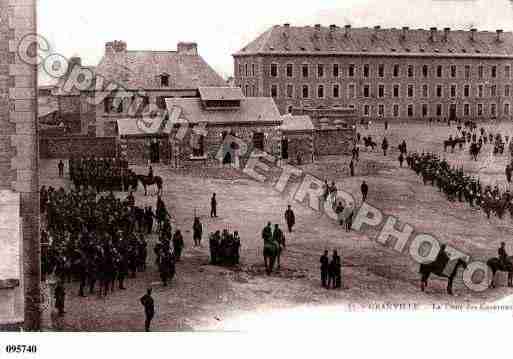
[164,80]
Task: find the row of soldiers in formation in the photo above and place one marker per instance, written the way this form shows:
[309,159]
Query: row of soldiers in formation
[102,174]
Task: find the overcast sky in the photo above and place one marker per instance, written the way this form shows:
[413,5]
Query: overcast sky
[221,27]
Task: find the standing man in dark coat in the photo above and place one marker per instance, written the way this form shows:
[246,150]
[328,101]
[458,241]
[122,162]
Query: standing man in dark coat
[61,169]
[149,309]
[213,206]
[290,218]
[197,232]
[365,190]
[384,146]
[351,168]
[337,266]
[324,268]
[178,244]
[60,296]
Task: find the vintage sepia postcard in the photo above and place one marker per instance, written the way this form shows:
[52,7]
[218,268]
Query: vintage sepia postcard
[329,167]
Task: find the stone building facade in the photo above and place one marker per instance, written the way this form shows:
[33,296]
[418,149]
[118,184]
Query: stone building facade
[19,171]
[383,73]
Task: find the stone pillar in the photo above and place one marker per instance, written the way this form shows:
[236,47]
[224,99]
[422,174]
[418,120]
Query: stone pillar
[19,162]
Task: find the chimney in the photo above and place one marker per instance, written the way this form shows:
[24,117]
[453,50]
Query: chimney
[347,30]
[75,60]
[446,33]
[187,48]
[432,37]
[317,26]
[405,31]
[286,25]
[114,47]
[333,27]
[499,33]
[472,34]
[376,30]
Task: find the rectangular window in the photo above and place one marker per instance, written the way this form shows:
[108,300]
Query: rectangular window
[507,71]
[246,91]
[320,70]
[410,110]
[366,110]
[164,81]
[506,109]
[199,149]
[255,91]
[336,70]
[466,110]
[305,71]
[410,70]
[241,70]
[274,91]
[494,71]
[425,70]
[107,105]
[290,70]
[274,70]
[480,109]
[493,109]
[290,91]
[395,110]
[439,109]
[336,91]
[467,72]
[320,91]
[480,71]
[351,70]
[396,71]
[480,91]
[246,69]
[258,140]
[366,91]
[425,93]
[366,70]
[466,91]
[396,90]
[493,90]
[424,110]
[381,110]
[253,70]
[453,71]
[381,91]
[507,90]
[381,70]
[351,90]
[305,91]
[439,71]
[410,90]
[438,90]
[453,90]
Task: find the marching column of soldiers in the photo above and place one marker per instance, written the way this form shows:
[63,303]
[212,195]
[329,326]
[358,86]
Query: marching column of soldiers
[102,174]
[97,242]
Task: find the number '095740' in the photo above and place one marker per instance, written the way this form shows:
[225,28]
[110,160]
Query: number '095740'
[20,349]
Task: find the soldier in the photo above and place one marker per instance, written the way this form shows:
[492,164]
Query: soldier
[149,309]
[384,146]
[365,190]
[401,160]
[351,168]
[278,236]
[290,218]
[60,296]
[178,244]
[61,169]
[197,232]
[324,268]
[213,206]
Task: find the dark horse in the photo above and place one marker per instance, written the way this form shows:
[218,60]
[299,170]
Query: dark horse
[435,268]
[272,252]
[150,181]
[496,265]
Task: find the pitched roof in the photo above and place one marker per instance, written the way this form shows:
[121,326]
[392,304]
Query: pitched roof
[333,40]
[220,93]
[253,109]
[142,70]
[143,127]
[296,123]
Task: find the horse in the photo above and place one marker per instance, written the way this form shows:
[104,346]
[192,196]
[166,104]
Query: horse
[150,181]
[496,265]
[272,252]
[369,142]
[426,269]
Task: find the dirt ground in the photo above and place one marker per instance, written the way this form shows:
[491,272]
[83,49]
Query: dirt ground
[203,297]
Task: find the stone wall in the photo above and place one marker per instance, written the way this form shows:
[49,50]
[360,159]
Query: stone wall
[333,142]
[299,143]
[75,146]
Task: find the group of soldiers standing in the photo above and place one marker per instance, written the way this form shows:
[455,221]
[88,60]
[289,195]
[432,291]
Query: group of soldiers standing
[102,174]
